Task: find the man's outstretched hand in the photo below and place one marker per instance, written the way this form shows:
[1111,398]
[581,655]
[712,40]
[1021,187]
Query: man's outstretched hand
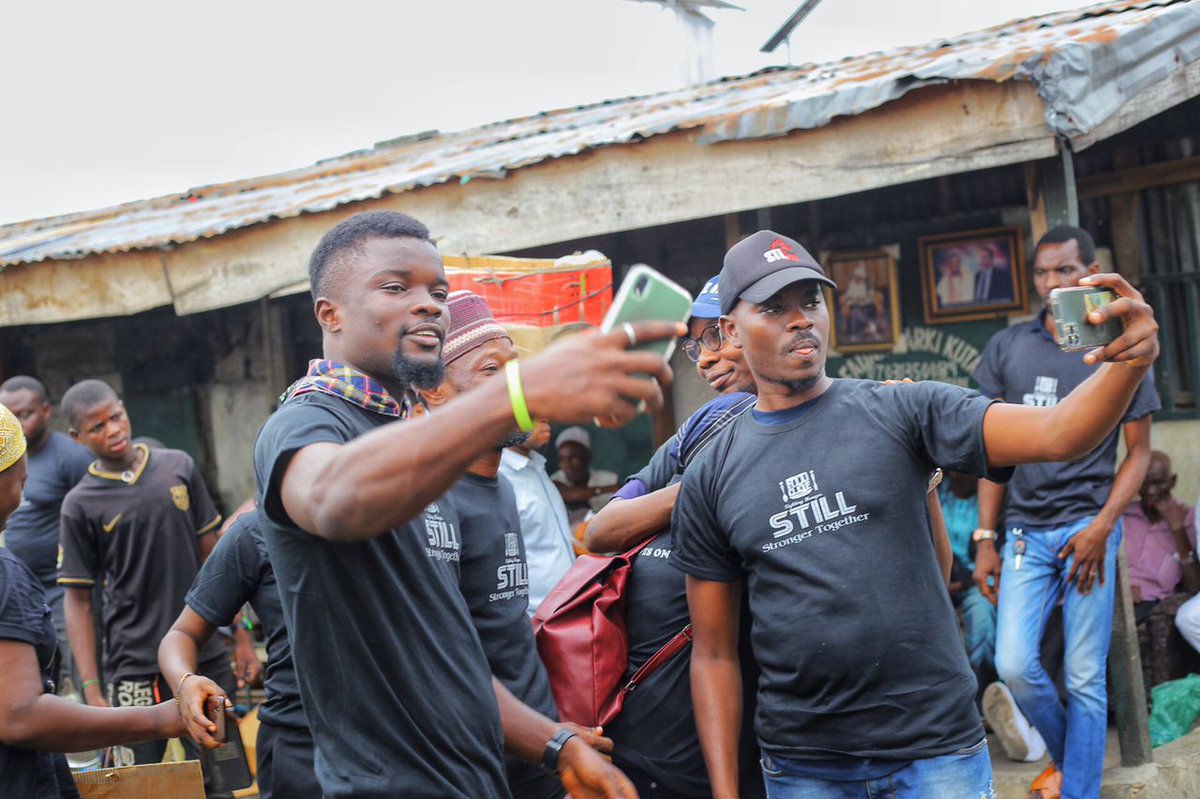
[596,377]
[1138,345]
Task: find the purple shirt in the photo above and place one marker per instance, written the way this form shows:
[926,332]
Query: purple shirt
[1150,549]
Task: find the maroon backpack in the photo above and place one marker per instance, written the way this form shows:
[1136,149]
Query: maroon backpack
[582,639]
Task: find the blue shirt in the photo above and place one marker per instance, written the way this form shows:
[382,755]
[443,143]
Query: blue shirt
[32,533]
[1022,364]
[961,517]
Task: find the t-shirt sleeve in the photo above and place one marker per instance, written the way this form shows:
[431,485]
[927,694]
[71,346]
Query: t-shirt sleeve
[80,556]
[229,578]
[1145,400]
[946,423]
[290,429]
[663,466]
[989,373]
[21,603]
[74,465]
[204,513]
[701,548]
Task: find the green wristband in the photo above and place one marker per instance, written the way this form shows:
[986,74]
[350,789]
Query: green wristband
[87,683]
[516,396]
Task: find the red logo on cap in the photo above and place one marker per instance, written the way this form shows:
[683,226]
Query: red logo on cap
[780,251]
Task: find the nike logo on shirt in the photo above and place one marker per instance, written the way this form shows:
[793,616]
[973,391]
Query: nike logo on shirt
[112,524]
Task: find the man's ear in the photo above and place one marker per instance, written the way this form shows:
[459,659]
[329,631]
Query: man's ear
[74,435]
[436,396]
[729,331]
[329,315]
[1094,268]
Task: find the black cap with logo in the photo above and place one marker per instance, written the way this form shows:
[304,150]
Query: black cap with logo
[763,263]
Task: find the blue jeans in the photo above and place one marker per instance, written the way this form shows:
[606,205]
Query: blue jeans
[1075,735]
[966,774]
[979,629]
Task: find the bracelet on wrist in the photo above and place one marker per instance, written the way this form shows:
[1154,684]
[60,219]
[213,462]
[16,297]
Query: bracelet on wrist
[983,534]
[516,396]
[182,680]
[88,683]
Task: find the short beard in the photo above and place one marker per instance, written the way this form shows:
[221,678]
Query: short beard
[418,374]
[801,386]
[515,439]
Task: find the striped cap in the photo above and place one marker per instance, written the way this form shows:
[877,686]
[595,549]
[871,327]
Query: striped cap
[471,324]
[12,438]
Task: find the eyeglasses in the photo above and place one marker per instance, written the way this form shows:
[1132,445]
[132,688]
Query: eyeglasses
[710,337]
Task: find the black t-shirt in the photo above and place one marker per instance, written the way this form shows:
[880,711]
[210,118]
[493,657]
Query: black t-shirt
[32,530]
[139,539]
[656,730]
[1022,364]
[395,684]
[495,582]
[825,519]
[238,571]
[24,617]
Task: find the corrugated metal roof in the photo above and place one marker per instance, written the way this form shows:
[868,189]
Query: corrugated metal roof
[1086,64]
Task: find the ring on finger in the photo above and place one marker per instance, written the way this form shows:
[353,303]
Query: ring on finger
[628,330]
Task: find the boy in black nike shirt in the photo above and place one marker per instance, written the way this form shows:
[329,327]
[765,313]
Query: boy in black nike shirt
[140,523]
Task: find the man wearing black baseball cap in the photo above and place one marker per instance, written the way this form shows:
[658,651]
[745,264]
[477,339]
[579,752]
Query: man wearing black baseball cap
[814,500]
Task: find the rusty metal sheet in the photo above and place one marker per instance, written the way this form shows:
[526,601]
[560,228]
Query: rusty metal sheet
[1085,63]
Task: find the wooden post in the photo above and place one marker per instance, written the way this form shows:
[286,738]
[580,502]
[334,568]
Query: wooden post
[1124,211]
[1051,194]
[1125,671]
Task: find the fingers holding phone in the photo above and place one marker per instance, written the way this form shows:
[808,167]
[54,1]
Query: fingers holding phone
[1108,316]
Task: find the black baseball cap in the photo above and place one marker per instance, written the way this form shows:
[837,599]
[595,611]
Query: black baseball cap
[763,263]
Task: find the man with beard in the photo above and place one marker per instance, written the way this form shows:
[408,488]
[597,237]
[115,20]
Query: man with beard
[394,681]
[814,500]
[492,573]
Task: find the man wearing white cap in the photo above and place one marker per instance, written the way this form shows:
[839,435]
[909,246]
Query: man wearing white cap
[583,488]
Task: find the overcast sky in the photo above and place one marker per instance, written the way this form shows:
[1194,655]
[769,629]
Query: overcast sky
[122,100]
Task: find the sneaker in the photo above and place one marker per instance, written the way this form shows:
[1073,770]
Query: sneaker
[1048,784]
[1019,740]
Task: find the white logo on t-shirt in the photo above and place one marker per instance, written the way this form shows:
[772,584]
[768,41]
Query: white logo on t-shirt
[808,510]
[441,536]
[1044,394]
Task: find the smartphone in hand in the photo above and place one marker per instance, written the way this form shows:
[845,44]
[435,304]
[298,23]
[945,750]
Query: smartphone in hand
[646,295]
[214,709]
[1070,308]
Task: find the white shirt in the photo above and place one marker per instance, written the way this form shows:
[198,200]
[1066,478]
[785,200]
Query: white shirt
[549,548]
[596,479]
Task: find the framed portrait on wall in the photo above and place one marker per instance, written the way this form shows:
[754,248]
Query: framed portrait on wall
[975,274]
[865,309]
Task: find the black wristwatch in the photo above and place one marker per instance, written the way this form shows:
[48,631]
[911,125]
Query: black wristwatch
[554,748]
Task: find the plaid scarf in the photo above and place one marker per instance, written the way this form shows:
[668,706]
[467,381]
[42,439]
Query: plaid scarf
[346,382]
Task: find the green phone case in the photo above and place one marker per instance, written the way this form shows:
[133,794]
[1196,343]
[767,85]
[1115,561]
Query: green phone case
[648,296]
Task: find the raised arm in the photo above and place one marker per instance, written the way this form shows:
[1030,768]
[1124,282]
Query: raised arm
[717,678]
[355,491]
[1016,434]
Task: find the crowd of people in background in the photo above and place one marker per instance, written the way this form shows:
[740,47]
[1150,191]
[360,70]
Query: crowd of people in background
[850,619]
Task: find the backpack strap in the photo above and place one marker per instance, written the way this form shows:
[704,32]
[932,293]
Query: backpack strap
[670,649]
